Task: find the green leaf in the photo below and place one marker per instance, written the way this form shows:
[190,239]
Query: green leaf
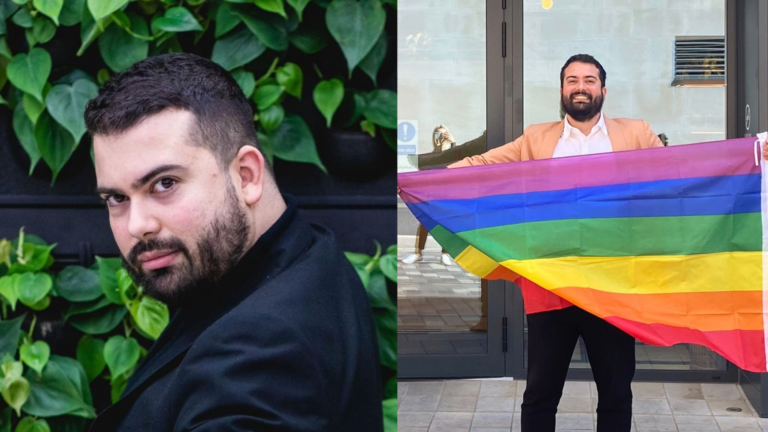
[35,355]
[177,19]
[119,49]
[8,290]
[388,266]
[29,72]
[271,117]
[15,391]
[226,19]
[267,95]
[291,78]
[33,287]
[356,26]
[86,307]
[5,52]
[62,390]
[327,96]
[5,252]
[56,144]
[108,268]
[245,80]
[102,76]
[309,40]
[99,322]
[375,58]
[90,29]
[126,287]
[67,103]
[35,257]
[30,424]
[11,368]
[32,107]
[293,141]
[90,353]
[266,147]
[150,315]
[50,8]
[29,34]
[368,127]
[43,29]
[299,6]
[392,250]
[386,331]
[267,29]
[275,6]
[237,49]
[10,331]
[121,354]
[42,304]
[102,8]
[389,410]
[23,19]
[25,132]
[381,108]
[357,258]
[390,389]
[72,12]
[377,292]
[78,284]
[118,387]
[364,274]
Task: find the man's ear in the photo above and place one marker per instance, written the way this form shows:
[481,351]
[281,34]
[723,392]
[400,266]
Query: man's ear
[250,167]
[605,90]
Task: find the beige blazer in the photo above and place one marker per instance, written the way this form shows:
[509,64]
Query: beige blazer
[539,142]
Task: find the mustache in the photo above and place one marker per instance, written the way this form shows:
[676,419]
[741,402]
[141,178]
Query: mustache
[171,243]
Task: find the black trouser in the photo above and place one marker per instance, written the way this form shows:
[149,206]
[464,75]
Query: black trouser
[552,337]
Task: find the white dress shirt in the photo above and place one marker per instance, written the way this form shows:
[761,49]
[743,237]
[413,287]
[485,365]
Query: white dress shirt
[574,143]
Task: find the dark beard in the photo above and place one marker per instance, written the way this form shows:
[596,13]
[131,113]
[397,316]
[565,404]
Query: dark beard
[218,251]
[581,112]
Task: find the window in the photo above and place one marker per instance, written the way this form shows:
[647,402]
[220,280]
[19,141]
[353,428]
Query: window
[699,61]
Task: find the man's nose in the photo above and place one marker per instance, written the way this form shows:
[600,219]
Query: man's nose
[143,224]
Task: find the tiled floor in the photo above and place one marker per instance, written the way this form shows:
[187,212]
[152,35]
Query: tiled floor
[494,406]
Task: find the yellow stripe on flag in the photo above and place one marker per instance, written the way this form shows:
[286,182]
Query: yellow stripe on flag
[476,262]
[725,271]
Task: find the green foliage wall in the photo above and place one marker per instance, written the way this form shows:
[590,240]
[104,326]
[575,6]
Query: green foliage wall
[263,43]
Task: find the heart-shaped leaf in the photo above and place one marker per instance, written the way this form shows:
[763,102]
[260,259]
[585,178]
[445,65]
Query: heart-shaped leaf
[67,103]
[71,12]
[102,8]
[237,49]
[150,315]
[56,143]
[29,72]
[176,19]
[328,96]
[119,49]
[245,80]
[78,284]
[226,19]
[267,29]
[298,6]
[381,108]
[10,331]
[101,321]
[373,61]
[30,424]
[291,78]
[108,268]
[35,355]
[62,390]
[90,353]
[9,292]
[23,19]
[43,29]
[50,8]
[275,6]
[271,117]
[15,391]
[356,26]
[267,95]
[310,39]
[121,354]
[32,287]
[293,141]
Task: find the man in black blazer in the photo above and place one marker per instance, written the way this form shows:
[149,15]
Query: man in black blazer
[272,329]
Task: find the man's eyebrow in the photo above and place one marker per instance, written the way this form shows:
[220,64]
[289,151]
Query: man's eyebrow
[585,76]
[146,178]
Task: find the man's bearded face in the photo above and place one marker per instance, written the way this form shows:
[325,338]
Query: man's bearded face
[582,92]
[582,105]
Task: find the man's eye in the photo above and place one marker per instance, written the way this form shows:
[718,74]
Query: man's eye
[164,184]
[114,200]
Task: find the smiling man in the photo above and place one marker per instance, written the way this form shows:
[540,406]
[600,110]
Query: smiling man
[554,325]
[272,329]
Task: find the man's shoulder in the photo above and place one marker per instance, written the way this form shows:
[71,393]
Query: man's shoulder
[541,128]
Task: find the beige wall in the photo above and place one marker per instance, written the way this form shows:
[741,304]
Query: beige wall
[634,41]
[441,68]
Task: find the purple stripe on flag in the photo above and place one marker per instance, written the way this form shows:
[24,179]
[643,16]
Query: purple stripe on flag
[717,158]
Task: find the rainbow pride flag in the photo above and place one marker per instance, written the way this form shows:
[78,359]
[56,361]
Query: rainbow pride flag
[665,243]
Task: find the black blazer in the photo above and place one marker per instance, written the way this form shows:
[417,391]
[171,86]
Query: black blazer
[288,344]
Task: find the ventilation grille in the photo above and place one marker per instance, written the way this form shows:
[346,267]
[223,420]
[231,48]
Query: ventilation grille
[699,61]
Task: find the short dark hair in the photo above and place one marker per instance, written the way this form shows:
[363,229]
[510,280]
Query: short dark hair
[223,117]
[583,58]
